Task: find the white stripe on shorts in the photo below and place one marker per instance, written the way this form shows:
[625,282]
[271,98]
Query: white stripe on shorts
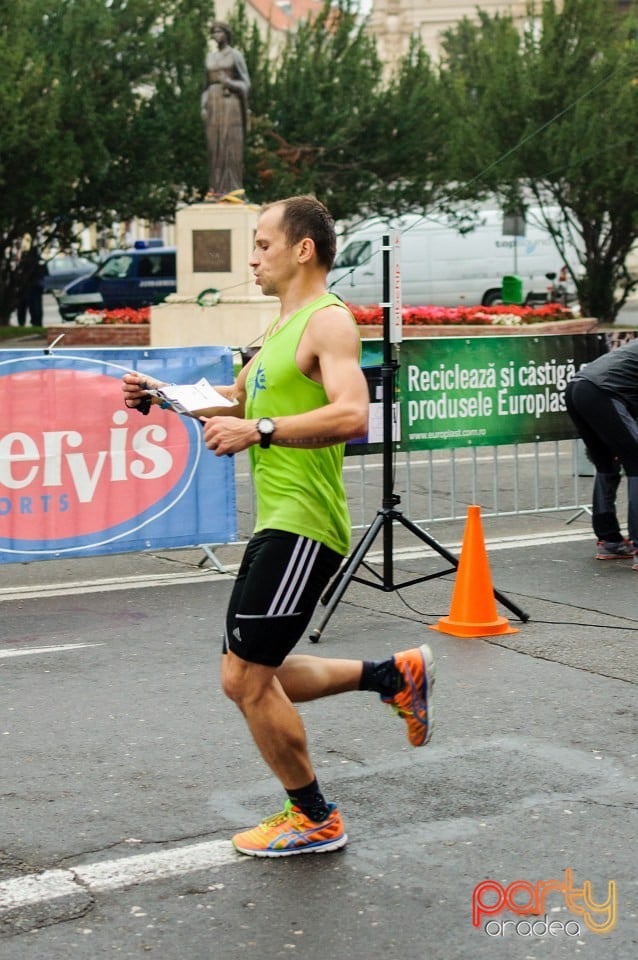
[295,577]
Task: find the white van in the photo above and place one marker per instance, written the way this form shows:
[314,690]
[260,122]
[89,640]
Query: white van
[441,266]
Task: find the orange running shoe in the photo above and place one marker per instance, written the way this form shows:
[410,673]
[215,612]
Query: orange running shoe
[290,832]
[414,701]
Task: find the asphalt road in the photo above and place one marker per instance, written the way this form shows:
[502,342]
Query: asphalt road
[125,772]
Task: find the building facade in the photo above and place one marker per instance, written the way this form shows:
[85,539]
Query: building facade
[279,15]
[393,22]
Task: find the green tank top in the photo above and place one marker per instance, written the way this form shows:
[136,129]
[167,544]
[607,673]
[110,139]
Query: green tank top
[299,491]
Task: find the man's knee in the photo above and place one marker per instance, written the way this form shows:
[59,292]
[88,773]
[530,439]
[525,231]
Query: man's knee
[231,677]
[228,686]
[244,682]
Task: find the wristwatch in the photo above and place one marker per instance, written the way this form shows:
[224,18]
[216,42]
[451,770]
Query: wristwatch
[265,428]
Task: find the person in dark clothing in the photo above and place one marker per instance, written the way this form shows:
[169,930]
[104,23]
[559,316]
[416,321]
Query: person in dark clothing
[33,289]
[610,543]
[602,400]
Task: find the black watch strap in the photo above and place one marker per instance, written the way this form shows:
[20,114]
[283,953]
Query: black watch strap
[265,428]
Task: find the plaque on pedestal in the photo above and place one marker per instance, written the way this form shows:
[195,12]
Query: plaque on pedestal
[212,251]
[214,244]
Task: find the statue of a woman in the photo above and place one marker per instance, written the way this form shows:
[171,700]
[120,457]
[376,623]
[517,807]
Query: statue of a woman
[224,109]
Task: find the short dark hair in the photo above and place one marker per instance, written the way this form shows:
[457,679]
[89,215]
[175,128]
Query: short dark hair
[305,216]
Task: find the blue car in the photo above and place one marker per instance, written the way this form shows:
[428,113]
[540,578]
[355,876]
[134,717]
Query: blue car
[139,277]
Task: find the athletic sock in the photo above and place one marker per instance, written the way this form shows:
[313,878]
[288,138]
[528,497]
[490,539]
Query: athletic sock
[381,676]
[311,801]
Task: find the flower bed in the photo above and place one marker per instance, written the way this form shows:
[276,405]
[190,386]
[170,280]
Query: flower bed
[506,315]
[503,315]
[106,328]
[124,315]
[129,327]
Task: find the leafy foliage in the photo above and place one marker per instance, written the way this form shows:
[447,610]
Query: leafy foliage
[317,106]
[94,96]
[101,124]
[553,117]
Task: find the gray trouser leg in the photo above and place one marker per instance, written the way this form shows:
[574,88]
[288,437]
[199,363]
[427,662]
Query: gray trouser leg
[632,509]
[603,516]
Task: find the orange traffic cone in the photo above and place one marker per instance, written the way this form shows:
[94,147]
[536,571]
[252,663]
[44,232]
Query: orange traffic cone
[473,611]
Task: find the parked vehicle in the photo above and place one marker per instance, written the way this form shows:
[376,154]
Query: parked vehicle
[64,268]
[441,265]
[139,277]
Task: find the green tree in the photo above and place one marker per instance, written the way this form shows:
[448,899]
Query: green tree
[551,115]
[411,161]
[328,120]
[100,115]
[100,104]
[315,115]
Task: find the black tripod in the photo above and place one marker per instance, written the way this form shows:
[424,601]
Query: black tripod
[388,514]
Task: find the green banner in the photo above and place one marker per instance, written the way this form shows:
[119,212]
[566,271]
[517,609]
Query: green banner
[478,391]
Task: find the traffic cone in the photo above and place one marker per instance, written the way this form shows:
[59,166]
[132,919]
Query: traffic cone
[473,610]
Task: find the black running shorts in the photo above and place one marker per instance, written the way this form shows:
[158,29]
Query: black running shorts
[280,581]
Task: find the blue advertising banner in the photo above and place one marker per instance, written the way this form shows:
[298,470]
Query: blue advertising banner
[81,475]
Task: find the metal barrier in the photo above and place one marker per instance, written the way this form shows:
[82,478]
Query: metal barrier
[438,485]
[510,480]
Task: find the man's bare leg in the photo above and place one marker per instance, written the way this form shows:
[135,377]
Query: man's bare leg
[305,677]
[272,719]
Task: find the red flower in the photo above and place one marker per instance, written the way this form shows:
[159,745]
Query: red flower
[128,315]
[426,315]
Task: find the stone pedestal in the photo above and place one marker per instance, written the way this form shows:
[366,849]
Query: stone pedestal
[232,323]
[214,244]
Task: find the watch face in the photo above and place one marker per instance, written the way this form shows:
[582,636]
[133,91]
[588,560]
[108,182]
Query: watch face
[266,428]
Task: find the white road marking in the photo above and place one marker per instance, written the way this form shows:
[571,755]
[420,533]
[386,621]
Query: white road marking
[110,584]
[20,892]
[128,871]
[4,654]
[443,457]
[509,543]
[105,584]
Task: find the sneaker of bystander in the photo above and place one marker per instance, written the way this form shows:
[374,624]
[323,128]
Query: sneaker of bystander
[614,550]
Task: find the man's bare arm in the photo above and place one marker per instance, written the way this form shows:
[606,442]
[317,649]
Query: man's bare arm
[136,384]
[329,354]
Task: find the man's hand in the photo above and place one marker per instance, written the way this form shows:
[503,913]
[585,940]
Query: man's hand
[134,387]
[228,435]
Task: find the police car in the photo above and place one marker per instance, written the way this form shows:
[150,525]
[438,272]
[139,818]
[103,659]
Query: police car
[63,269]
[138,277]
